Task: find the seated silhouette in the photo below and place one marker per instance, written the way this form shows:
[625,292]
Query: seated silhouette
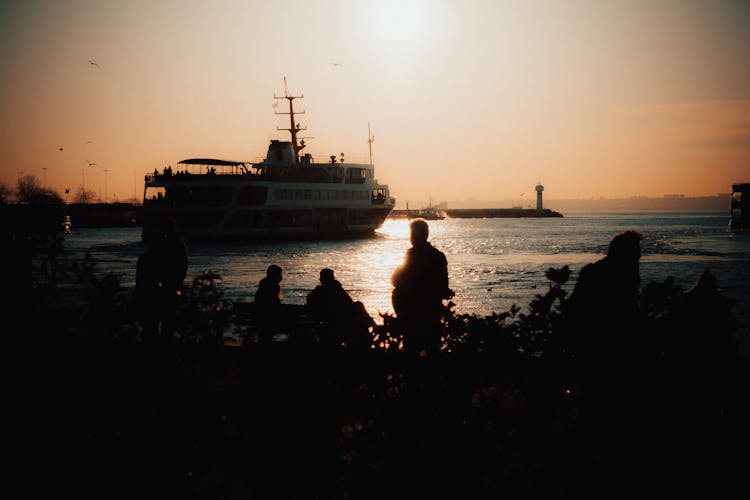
[705,323]
[330,303]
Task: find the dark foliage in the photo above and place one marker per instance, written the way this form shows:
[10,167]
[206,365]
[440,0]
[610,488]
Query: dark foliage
[221,410]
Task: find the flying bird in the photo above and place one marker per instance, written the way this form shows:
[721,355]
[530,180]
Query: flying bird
[61,149]
[91,163]
[89,142]
[337,65]
[93,63]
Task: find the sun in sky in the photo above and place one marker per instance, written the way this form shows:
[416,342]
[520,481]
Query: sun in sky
[472,102]
[401,23]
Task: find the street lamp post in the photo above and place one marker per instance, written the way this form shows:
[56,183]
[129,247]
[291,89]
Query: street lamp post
[83,185]
[105,185]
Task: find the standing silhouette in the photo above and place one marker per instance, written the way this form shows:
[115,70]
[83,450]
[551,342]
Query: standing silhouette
[267,304]
[604,303]
[604,339]
[160,273]
[420,285]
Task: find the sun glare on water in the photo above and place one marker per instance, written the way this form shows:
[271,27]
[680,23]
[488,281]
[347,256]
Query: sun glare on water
[395,229]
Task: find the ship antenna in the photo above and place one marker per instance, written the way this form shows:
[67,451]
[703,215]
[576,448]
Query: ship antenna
[293,127]
[370,139]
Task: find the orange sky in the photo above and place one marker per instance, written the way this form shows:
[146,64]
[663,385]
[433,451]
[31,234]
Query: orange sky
[468,100]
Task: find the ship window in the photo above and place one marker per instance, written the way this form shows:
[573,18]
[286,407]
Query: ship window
[254,195]
[284,194]
[355,175]
[154,194]
[207,196]
[378,195]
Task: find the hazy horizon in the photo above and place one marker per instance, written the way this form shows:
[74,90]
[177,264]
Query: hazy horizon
[478,100]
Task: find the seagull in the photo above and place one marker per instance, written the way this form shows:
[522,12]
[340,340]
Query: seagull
[93,63]
[61,149]
[89,142]
[91,163]
[337,65]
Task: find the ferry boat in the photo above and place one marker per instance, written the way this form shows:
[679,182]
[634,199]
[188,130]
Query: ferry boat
[429,212]
[739,208]
[287,195]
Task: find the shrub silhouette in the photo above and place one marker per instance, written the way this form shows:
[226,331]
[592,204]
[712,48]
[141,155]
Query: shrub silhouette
[495,411]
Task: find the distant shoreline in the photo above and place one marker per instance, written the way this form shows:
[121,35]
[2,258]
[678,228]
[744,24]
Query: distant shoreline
[637,203]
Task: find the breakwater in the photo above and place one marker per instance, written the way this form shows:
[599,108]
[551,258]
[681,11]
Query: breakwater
[486,213]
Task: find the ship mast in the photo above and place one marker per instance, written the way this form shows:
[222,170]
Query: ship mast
[370,139]
[293,127]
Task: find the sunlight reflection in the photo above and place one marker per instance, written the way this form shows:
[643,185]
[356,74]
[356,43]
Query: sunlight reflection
[381,259]
[395,229]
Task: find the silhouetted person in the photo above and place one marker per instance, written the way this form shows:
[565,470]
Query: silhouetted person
[604,336]
[420,285]
[705,335]
[160,273]
[604,303]
[710,382]
[268,297]
[330,303]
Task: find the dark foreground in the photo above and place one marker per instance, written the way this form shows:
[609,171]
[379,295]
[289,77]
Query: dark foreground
[99,410]
[286,420]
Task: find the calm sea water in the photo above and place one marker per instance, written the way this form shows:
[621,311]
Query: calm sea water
[492,263]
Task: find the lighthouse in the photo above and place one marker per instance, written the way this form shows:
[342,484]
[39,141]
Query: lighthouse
[539,188]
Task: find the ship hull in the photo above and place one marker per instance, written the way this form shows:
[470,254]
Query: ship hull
[268,224]
[260,211]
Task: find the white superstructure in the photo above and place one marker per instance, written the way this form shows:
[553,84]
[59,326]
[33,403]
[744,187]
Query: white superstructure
[285,195]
